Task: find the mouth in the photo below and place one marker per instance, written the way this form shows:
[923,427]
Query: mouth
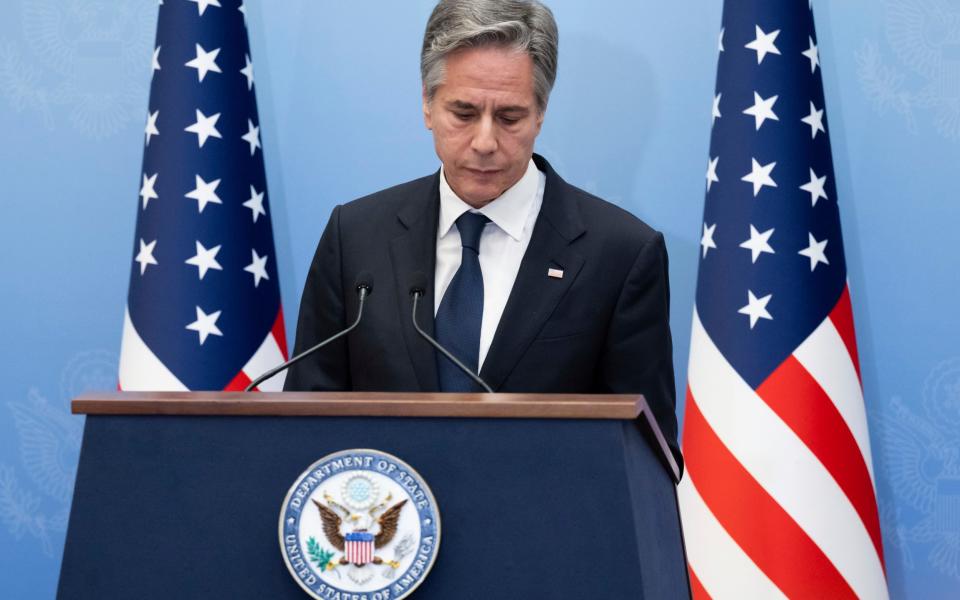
[482,172]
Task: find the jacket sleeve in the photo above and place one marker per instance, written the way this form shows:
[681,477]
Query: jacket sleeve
[638,353]
[322,314]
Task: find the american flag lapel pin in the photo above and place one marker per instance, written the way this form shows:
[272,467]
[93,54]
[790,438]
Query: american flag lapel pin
[555,273]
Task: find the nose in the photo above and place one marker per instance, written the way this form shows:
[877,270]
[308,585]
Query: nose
[485,137]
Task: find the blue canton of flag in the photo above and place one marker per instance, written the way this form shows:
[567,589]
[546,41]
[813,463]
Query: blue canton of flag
[203,310]
[778,499]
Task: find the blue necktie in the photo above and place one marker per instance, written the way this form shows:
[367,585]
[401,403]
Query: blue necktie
[457,324]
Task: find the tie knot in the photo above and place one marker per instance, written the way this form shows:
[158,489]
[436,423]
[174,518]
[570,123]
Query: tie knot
[470,225]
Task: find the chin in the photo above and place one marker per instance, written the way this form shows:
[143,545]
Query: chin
[481,194]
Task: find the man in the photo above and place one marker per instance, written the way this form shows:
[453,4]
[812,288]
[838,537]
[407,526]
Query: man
[537,285]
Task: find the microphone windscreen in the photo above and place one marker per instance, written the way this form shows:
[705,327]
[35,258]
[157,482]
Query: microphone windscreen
[418,282]
[364,280]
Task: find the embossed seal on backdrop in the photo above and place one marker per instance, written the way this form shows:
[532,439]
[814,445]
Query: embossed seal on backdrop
[359,524]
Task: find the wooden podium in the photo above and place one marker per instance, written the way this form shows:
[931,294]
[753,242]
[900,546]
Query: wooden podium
[178,495]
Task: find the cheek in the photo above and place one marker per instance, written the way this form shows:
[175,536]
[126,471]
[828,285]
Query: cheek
[521,142]
[458,148]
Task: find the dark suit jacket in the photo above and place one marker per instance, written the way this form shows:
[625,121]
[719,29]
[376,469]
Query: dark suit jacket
[602,328]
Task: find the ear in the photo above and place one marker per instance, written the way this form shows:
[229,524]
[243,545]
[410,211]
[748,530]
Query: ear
[540,115]
[427,116]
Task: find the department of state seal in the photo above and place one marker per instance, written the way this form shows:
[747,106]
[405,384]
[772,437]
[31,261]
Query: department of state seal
[359,524]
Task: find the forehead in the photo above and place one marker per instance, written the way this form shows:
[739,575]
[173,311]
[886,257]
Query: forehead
[488,73]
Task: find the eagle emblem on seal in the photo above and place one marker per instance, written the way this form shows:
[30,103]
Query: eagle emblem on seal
[360,525]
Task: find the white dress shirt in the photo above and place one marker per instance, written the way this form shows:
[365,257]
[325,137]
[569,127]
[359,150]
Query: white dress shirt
[502,244]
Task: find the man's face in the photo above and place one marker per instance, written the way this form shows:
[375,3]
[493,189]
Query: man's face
[484,119]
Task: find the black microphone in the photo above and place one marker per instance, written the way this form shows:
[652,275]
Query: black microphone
[364,287]
[418,287]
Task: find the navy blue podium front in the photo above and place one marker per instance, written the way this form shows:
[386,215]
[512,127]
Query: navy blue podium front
[550,496]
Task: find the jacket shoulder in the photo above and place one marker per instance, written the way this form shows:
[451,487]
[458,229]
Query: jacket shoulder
[617,224]
[389,200]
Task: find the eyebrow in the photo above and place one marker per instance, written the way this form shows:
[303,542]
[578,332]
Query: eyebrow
[513,109]
[461,105]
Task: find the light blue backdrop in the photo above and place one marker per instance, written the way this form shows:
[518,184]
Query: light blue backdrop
[339,102]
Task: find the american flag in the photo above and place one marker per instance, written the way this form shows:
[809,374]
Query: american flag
[203,310]
[779,497]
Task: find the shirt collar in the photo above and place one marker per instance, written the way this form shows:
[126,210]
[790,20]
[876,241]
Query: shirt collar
[509,211]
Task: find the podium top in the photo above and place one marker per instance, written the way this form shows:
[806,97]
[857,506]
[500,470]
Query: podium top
[380,404]
[362,404]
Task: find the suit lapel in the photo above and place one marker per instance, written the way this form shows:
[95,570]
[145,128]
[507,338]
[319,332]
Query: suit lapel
[535,295]
[412,251]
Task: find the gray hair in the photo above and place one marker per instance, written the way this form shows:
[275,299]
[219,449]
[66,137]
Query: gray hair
[524,25]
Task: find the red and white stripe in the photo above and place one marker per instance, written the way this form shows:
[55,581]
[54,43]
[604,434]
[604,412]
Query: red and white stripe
[142,370]
[359,552]
[272,352]
[778,497]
